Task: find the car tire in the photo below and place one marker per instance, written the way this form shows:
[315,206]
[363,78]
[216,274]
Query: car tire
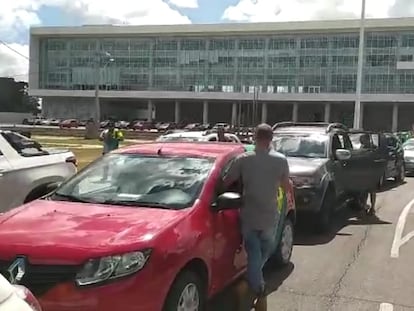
[187,286]
[284,250]
[401,174]
[323,221]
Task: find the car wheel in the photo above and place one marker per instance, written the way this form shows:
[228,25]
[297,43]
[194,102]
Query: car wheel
[186,294]
[285,247]
[324,217]
[401,174]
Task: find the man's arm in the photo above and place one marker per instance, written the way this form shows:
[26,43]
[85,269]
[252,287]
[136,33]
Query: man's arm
[285,181]
[234,173]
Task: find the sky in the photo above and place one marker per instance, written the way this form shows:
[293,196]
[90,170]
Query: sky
[17,16]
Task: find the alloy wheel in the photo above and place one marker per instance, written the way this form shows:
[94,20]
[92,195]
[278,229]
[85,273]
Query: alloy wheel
[189,299]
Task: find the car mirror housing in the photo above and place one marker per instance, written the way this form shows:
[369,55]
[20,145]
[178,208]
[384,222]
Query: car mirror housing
[228,201]
[343,154]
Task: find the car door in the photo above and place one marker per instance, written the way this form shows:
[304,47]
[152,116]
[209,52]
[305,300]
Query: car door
[361,171]
[6,183]
[229,254]
[392,155]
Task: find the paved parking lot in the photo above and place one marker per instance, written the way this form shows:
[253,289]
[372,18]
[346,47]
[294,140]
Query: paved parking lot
[357,267]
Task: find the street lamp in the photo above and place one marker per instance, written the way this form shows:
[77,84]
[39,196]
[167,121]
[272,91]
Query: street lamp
[97,83]
[358,108]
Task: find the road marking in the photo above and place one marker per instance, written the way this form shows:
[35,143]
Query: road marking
[399,240]
[386,307]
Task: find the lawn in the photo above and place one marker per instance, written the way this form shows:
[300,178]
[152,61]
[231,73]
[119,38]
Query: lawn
[85,151]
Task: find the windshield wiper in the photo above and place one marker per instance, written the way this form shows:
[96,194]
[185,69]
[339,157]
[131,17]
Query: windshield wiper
[72,198]
[135,203]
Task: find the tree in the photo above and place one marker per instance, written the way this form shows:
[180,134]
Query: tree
[14,97]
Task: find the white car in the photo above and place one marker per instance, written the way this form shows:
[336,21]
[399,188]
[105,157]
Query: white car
[16,298]
[196,136]
[408,147]
[27,170]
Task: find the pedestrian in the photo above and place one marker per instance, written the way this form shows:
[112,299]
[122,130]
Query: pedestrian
[261,172]
[221,134]
[111,137]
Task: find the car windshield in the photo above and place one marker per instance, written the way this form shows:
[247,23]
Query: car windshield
[138,180]
[301,145]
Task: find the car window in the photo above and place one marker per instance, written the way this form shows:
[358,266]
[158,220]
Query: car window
[214,138]
[356,143]
[138,180]
[301,145]
[23,145]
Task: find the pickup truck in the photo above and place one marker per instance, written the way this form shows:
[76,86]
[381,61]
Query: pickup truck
[27,170]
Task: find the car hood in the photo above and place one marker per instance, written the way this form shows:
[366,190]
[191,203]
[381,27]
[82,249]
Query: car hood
[304,166]
[78,231]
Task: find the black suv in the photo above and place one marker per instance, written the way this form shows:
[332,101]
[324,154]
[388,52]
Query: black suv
[326,170]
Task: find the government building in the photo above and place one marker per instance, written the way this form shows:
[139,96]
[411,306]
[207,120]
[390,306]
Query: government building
[238,73]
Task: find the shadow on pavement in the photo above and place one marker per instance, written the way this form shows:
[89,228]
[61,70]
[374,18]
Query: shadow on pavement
[343,218]
[389,185]
[274,276]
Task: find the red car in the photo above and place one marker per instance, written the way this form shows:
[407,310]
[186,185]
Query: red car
[69,123]
[145,228]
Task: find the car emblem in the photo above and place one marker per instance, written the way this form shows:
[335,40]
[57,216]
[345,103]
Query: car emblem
[17,270]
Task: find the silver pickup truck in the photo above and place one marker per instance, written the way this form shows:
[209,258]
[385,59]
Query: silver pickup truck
[27,170]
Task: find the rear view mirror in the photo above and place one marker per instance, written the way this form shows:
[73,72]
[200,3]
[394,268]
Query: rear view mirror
[228,201]
[343,154]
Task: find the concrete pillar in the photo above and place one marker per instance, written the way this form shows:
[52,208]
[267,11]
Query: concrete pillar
[234,114]
[264,112]
[177,112]
[150,108]
[295,112]
[395,117]
[327,117]
[205,112]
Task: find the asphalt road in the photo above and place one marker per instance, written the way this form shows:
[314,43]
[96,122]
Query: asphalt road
[356,268]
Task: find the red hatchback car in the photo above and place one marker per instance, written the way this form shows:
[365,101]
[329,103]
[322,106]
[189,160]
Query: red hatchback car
[145,228]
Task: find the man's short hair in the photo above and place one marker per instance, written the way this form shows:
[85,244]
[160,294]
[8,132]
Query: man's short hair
[264,132]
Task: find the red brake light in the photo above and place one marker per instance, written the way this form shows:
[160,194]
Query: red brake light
[72,160]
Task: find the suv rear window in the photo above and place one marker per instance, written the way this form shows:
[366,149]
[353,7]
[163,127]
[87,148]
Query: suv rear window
[23,145]
[301,145]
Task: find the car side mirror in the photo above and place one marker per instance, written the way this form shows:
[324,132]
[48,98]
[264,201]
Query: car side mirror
[227,201]
[343,154]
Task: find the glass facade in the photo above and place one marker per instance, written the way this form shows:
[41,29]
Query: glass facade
[318,63]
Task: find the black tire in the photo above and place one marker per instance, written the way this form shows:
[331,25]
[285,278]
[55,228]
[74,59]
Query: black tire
[401,174]
[323,220]
[284,250]
[181,283]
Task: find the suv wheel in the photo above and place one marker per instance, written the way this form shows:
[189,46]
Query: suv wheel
[186,294]
[284,250]
[323,219]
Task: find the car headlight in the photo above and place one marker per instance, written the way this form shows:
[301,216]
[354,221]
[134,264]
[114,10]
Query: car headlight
[112,267]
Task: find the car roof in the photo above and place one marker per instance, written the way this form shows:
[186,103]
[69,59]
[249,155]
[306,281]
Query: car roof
[302,130]
[190,149]
[186,134]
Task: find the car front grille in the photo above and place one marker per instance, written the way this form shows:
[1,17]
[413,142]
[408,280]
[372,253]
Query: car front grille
[41,278]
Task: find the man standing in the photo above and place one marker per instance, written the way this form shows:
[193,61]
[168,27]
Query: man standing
[221,134]
[111,138]
[261,172]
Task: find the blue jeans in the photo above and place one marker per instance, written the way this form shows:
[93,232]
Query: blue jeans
[259,247]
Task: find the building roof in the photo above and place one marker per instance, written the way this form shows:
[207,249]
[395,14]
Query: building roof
[325,26]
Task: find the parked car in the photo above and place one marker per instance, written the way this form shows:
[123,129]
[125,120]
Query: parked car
[27,169]
[327,174]
[149,227]
[122,124]
[387,151]
[16,298]
[225,126]
[409,155]
[166,126]
[141,125]
[197,136]
[55,122]
[69,123]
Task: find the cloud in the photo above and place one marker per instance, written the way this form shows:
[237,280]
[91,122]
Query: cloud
[12,64]
[16,16]
[188,4]
[296,10]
